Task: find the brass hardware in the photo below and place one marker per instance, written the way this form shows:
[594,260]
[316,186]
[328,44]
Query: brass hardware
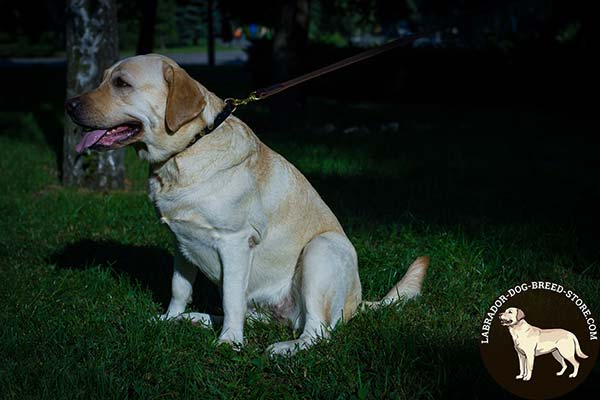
[242,102]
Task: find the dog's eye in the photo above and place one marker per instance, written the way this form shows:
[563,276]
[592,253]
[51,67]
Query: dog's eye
[120,83]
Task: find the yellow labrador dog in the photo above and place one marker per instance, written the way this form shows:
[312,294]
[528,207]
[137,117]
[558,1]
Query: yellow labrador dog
[239,212]
[531,341]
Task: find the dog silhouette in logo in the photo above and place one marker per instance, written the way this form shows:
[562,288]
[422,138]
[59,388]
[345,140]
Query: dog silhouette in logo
[531,341]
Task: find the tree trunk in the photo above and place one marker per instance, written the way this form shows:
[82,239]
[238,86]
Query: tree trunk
[289,48]
[147,27]
[92,46]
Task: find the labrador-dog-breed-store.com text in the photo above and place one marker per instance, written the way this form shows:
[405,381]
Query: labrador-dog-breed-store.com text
[239,212]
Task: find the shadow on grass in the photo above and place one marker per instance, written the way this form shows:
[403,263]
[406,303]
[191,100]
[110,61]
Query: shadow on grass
[151,267]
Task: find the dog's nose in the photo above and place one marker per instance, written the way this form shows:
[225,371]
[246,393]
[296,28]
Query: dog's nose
[72,104]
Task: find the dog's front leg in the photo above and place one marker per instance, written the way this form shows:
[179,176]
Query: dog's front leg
[521,365]
[236,260]
[529,361]
[184,275]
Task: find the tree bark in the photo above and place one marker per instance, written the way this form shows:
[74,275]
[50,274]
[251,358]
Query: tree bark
[92,46]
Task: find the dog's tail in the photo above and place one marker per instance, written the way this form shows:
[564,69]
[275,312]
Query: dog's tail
[580,353]
[407,288]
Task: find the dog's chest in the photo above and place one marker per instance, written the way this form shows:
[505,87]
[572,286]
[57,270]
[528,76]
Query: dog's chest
[518,342]
[519,339]
[196,235]
[201,217]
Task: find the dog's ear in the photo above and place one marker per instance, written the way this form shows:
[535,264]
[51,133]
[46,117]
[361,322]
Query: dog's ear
[184,101]
[520,314]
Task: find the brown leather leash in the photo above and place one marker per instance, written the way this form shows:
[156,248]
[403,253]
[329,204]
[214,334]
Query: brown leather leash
[279,87]
[260,94]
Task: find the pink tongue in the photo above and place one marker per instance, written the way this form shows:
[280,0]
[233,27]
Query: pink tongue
[89,139]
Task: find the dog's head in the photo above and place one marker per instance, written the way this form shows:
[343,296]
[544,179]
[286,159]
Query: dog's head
[511,316]
[146,100]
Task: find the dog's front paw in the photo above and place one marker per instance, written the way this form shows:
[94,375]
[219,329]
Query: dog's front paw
[519,376]
[235,341]
[169,317]
[288,348]
[160,317]
[527,377]
[234,345]
[573,375]
[165,317]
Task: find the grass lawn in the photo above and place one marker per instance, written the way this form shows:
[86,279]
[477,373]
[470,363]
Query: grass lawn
[495,198]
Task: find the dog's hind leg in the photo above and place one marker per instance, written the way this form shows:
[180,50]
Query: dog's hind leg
[330,289]
[575,363]
[566,346]
[556,354]
[569,355]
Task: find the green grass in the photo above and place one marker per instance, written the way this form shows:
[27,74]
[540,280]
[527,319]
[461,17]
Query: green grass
[83,272]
